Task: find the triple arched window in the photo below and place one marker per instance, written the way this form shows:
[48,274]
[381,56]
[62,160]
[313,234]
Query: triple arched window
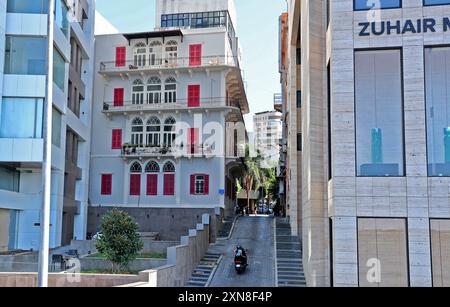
[152,170]
[154,131]
[154,92]
[156,53]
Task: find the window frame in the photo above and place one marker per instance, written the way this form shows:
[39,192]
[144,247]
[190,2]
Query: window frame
[386,8]
[400,49]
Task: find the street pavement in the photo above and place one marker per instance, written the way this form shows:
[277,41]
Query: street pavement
[256,235]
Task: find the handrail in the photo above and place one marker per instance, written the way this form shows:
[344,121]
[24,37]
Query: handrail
[160,62]
[179,103]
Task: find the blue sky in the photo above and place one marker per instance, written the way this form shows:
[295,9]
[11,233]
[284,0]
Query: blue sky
[257,29]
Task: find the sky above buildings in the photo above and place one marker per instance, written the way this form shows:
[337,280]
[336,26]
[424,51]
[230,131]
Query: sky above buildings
[257,29]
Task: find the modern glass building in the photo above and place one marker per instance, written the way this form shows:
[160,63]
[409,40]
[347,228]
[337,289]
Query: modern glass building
[23,61]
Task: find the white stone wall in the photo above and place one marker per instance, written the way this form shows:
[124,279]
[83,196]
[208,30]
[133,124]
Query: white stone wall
[415,197]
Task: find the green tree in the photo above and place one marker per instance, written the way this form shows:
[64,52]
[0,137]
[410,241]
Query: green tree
[253,176]
[120,241]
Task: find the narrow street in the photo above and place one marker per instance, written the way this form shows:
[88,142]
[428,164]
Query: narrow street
[256,235]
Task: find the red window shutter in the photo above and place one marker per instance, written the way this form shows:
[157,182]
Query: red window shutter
[121,56]
[192,184]
[152,184]
[118,97]
[206,185]
[193,96]
[135,184]
[195,55]
[193,140]
[106,187]
[117,139]
[169,184]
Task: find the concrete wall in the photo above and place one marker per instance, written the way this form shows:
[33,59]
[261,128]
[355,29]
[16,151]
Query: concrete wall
[64,280]
[87,264]
[181,259]
[171,224]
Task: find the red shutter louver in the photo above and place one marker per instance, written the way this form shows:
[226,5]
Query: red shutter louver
[135,185]
[121,56]
[194,96]
[195,55]
[152,184]
[192,184]
[169,184]
[206,192]
[118,97]
[106,186]
[117,139]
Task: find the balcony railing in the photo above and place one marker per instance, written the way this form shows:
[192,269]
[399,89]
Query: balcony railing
[140,151]
[132,106]
[158,63]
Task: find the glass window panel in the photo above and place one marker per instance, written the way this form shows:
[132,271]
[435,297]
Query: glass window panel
[436,2]
[25,55]
[61,20]
[437,74]
[59,70]
[379,113]
[21,117]
[27,6]
[56,127]
[381,4]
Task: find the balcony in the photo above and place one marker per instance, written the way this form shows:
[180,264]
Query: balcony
[127,107]
[161,63]
[141,151]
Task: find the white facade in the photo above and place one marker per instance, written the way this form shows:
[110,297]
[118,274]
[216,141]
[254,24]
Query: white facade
[22,82]
[268,134]
[178,76]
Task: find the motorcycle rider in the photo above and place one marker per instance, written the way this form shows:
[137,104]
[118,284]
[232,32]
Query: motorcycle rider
[240,254]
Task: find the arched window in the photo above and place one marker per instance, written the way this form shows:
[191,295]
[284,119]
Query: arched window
[170,90]
[169,167]
[138,92]
[171,52]
[154,89]
[153,132]
[136,168]
[137,132]
[152,167]
[155,53]
[169,132]
[135,179]
[140,55]
[169,179]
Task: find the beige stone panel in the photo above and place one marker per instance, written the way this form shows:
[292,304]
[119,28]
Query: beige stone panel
[383,239]
[4,229]
[440,246]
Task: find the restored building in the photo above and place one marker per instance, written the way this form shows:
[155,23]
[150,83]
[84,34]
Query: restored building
[23,59]
[168,118]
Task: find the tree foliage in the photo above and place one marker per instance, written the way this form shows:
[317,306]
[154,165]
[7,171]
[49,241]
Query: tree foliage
[120,241]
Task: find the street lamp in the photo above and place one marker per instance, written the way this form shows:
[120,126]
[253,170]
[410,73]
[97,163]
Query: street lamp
[47,158]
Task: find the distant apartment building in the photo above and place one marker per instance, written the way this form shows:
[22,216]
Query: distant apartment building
[375,129]
[166,105]
[268,134]
[23,59]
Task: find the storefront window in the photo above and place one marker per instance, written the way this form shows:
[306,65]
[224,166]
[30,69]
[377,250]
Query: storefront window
[379,113]
[437,71]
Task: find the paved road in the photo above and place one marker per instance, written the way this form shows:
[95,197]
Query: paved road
[256,234]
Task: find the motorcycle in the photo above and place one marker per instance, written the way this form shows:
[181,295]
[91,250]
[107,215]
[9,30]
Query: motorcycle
[240,261]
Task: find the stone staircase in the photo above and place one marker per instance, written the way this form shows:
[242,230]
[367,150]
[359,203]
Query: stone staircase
[289,257]
[203,272]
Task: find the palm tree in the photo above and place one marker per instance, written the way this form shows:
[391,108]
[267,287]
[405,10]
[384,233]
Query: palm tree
[253,175]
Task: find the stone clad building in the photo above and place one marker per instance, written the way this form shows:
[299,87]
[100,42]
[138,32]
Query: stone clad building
[375,208]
